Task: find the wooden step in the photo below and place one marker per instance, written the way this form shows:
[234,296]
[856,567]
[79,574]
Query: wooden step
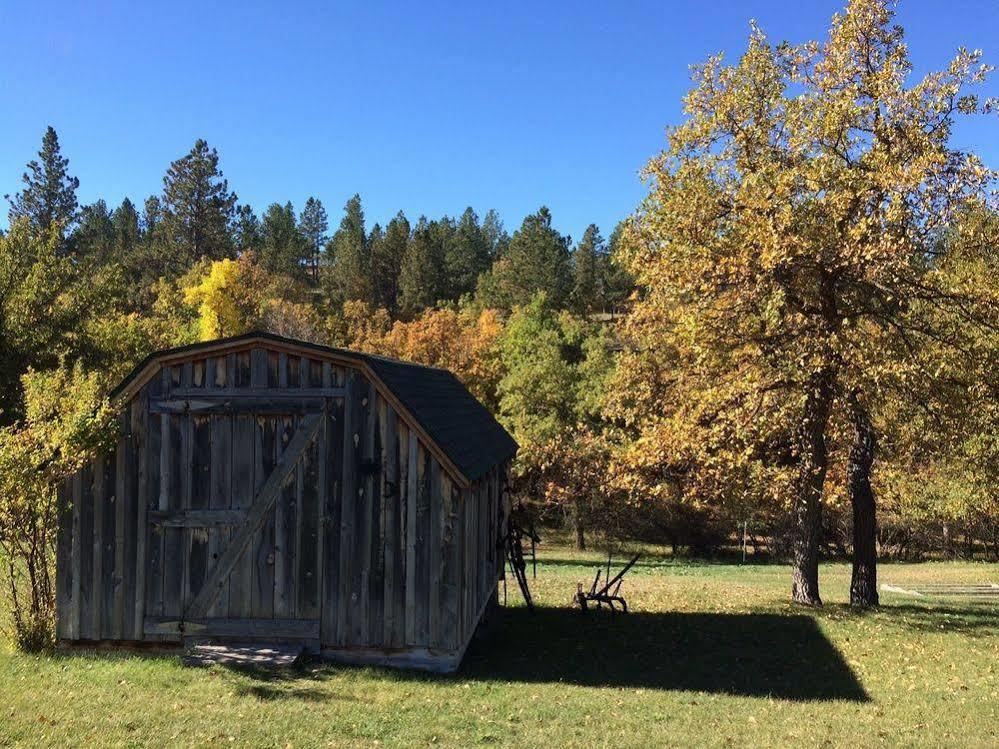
[243,654]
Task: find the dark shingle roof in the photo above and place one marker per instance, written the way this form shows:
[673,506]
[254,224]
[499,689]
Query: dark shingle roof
[460,426]
[453,418]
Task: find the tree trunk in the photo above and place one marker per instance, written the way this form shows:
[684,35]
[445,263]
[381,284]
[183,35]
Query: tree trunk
[579,526]
[864,580]
[807,506]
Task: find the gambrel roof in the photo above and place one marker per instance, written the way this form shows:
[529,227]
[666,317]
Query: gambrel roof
[455,424]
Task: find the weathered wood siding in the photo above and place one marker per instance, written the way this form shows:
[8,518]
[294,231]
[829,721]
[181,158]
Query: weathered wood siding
[370,545]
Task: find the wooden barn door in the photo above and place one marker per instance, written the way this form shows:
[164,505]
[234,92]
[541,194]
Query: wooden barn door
[240,518]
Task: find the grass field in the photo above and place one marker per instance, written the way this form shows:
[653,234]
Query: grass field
[712,655]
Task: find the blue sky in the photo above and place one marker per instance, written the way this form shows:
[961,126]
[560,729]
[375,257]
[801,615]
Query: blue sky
[421,106]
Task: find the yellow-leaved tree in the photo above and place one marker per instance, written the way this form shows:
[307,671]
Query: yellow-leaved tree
[789,272]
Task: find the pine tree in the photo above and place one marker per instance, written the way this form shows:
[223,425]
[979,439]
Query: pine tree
[94,235]
[197,209]
[466,256]
[348,273]
[152,213]
[49,193]
[314,227]
[619,283]
[125,220]
[282,247]
[497,239]
[536,259]
[246,230]
[386,261]
[588,263]
[421,277]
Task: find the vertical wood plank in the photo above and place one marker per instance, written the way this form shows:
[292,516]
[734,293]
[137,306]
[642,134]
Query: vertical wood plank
[124,462]
[349,584]
[390,494]
[473,557]
[449,576]
[322,469]
[76,553]
[422,611]
[210,363]
[283,370]
[201,497]
[242,371]
[402,614]
[435,554]
[258,368]
[135,534]
[262,600]
[220,498]
[154,500]
[307,577]
[330,622]
[362,518]
[373,485]
[273,359]
[173,538]
[315,373]
[243,462]
[285,524]
[91,563]
[102,511]
[467,503]
[412,481]
[223,368]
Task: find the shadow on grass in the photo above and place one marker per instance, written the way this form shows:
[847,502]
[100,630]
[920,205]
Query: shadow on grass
[650,562]
[755,655]
[270,693]
[784,656]
[968,618]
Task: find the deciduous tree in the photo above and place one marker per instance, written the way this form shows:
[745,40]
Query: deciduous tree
[782,253]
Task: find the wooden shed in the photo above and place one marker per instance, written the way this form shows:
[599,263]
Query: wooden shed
[268,489]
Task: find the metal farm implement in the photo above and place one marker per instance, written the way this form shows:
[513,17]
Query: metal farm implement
[610,594]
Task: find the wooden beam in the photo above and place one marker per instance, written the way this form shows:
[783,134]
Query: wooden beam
[262,504]
[270,393]
[197,518]
[307,629]
[223,403]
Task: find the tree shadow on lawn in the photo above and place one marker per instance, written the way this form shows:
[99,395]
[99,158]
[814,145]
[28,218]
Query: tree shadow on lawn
[941,615]
[652,562]
[754,655]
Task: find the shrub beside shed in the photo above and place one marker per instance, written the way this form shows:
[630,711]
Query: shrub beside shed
[273,490]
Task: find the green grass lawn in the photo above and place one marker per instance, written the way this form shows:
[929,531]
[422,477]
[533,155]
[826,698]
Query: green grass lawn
[711,655]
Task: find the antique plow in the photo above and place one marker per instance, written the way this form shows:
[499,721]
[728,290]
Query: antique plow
[610,594]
